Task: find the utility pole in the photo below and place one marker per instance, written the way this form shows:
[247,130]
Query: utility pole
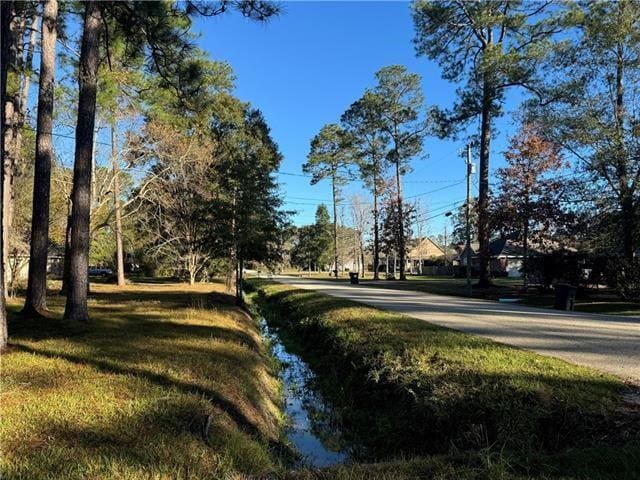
[468,219]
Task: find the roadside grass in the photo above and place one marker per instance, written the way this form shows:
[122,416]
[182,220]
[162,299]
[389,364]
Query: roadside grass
[407,387]
[166,381]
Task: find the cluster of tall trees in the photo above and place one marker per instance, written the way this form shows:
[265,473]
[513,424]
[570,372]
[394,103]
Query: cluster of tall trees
[579,61]
[189,164]
[576,65]
[378,136]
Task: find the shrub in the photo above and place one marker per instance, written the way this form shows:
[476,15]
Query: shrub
[559,267]
[624,276]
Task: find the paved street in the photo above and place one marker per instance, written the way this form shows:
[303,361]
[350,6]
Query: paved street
[607,342]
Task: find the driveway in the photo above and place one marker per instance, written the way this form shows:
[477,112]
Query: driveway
[607,342]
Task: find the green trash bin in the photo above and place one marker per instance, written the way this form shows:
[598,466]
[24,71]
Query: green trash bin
[354,278]
[565,296]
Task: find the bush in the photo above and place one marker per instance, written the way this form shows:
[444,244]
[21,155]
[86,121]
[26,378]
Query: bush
[559,267]
[624,276]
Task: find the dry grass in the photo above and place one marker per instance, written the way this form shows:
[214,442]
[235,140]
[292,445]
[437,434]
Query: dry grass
[130,394]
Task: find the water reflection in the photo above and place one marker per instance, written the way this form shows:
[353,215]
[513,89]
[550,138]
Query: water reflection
[309,428]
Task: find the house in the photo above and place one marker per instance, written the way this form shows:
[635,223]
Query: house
[18,266]
[424,254]
[460,258]
[506,257]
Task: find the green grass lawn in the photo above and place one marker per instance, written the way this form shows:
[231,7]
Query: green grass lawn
[165,382]
[406,387]
[169,381]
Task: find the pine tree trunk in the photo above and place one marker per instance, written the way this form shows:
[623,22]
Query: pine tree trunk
[66,268]
[362,258]
[376,231]
[19,114]
[625,194]
[117,206]
[401,240]
[5,31]
[26,85]
[335,226]
[76,305]
[483,196]
[240,281]
[36,300]
[13,56]
[525,258]
[628,225]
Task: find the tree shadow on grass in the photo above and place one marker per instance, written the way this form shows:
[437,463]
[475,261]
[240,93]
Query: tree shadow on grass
[159,379]
[201,360]
[165,437]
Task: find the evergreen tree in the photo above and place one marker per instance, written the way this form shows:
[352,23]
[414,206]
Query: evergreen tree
[330,157]
[594,82]
[36,297]
[459,223]
[493,46]
[401,104]
[365,123]
[312,246]
[247,206]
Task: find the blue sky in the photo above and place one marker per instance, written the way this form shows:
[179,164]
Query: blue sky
[304,68]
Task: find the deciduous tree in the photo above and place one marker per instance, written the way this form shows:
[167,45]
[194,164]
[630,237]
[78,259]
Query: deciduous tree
[528,205]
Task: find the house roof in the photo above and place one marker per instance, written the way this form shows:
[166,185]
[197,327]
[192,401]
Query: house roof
[426,248]
[508,248]
[499,247]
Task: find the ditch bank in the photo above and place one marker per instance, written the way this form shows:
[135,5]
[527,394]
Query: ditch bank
[401,387]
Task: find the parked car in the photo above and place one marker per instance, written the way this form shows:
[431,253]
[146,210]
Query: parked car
[100,272]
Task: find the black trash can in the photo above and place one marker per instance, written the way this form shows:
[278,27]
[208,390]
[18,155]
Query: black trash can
[565,296]
[353,278]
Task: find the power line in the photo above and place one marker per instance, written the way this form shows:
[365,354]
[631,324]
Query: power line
[434,191]
[70,137]
[420,217]
[294,174]
[347,204]
[431,181]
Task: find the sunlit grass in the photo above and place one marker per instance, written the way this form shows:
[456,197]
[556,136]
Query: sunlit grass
[165,381]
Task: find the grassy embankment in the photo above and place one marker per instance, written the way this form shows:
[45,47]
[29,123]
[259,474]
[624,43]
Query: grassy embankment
[164,382]
[603,300]
[405,387]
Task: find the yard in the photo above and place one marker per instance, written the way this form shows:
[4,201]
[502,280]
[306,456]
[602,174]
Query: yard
[166,381]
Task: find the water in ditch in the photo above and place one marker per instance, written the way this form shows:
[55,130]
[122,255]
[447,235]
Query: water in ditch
[310,426]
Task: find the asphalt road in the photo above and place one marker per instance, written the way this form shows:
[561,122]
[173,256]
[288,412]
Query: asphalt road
[606,342]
